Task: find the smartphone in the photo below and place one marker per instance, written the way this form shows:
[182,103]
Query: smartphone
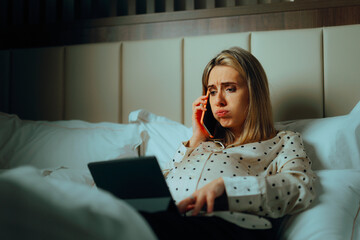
[207,119]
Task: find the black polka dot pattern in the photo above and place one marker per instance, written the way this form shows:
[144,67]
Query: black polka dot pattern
[267,178]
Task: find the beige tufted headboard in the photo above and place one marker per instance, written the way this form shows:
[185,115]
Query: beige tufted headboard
[312,73]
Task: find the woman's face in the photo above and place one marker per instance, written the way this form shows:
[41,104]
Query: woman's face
[229,97]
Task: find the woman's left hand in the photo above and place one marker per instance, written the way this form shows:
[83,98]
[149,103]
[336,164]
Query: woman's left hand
[205,195]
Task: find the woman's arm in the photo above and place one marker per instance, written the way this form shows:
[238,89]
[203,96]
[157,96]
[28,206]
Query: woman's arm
[198,136]
[208,193]
[288,187]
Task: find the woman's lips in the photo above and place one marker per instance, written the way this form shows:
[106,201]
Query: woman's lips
[221,113]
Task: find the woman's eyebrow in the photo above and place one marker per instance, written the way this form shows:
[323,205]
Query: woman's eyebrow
[229,83]
[223,83]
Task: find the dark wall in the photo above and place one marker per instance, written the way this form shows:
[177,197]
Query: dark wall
[66,22]
[39,23]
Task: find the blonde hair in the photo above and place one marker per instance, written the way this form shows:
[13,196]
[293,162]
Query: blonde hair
[258,124]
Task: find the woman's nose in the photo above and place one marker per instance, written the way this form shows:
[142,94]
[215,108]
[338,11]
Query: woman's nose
[219,99]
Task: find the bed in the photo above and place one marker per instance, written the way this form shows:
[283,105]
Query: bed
[85,103]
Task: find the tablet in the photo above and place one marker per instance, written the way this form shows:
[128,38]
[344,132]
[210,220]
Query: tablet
[138,181]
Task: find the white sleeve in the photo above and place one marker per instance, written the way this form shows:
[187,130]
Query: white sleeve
[288,189]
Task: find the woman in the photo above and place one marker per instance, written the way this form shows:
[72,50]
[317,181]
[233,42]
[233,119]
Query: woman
[262,173]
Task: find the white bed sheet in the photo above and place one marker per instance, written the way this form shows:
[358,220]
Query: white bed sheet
[57,207]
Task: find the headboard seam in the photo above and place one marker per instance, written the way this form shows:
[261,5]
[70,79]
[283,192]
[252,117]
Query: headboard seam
[182,83]
[64,83]
[323,71]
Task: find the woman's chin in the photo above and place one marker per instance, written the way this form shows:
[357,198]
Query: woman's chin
[225,124]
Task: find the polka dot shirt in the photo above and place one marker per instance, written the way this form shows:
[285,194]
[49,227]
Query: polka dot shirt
[263,179]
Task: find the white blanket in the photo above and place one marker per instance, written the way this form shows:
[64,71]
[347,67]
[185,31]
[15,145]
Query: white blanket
[36,207]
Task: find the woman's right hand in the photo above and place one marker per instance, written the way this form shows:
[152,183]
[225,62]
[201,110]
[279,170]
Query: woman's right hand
[199,132]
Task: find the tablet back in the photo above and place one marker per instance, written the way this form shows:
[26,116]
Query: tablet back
[138,181]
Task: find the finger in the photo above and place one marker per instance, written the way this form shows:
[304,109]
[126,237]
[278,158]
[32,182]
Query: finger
[182,208]
[182,205]
[200,108]
[210,200]
[199,104]
[200,201]
[204,97]
[200,100]
[190,207]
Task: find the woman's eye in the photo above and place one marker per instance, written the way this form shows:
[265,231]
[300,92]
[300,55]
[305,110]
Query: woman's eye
[231,89]
[212,93]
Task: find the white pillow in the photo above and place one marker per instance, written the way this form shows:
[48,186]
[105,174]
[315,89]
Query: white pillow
[161,136]
[72,144]
[331,143]
[334,211]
